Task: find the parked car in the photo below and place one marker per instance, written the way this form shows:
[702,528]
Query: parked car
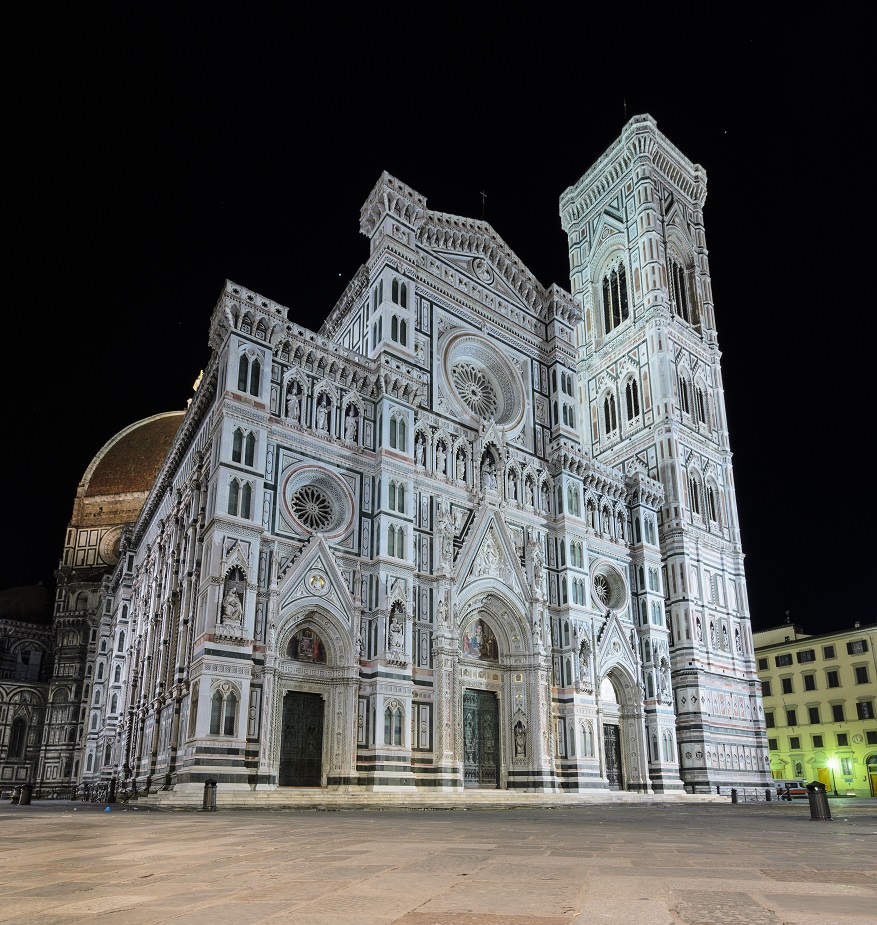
[788,789]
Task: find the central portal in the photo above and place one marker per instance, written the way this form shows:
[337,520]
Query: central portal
[480,739]
[612,750]
[301,743]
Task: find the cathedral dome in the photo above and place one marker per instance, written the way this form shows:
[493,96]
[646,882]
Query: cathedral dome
[130,461]
[117,482]
[26,604]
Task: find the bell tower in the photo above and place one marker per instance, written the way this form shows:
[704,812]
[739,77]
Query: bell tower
[649,374]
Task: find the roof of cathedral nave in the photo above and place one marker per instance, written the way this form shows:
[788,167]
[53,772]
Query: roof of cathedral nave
[131,460]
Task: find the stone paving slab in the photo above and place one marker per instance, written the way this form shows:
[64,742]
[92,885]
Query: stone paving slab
[622,864]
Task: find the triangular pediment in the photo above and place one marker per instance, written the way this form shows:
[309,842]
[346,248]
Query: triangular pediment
[614,645]
[490,556]
[314,580]
[474,249]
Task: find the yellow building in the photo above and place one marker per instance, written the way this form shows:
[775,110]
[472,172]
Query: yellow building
[819,694]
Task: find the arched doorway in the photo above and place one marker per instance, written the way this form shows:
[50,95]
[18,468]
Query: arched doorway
[301,736]
[613,765]
[871,765]
[481,742]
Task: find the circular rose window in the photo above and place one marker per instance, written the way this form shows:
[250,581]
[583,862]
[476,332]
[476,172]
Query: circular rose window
[486,385]
[610,591]
[317,501]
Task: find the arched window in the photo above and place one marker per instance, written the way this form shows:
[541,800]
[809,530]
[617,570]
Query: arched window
[393,724]
[397,496]
[712,510]
[684,402]
[396,541]
[89,761]
[117,674]
[120,645]
[243,449]
[679,290]
[398,432]
[223,712]
[240,498]
[230,714]
[193,709]
[631,395]
[100,671]
[700,405]
[114,704]
[694,492]
[610,415]
[615,305]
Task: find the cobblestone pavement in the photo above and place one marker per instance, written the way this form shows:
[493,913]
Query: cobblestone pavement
[66,863]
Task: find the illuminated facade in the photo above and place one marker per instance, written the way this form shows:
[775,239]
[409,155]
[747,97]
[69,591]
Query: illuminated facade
[819,699]
[473,533]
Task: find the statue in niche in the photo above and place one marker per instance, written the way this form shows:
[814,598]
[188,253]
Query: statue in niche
[725,644]
[231,607]
[323,414]
[293,404]
[738,645]
[419,449]
[351,422]
[528,492]
[698,629]
[584,663]
[545,498]
[396,634]
[461,467]
[446,526]
[440,459]
[490,482]
[665,679]
[535,550]
[520,739]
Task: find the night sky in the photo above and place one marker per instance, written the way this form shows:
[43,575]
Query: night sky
[156,152]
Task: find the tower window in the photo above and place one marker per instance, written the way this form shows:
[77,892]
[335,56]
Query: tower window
[610,415]
[631,394]
[615,303]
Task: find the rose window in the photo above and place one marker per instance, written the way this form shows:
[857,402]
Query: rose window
[484,383]
[609,587]
[317,501]
[602,589]
[475,389]
[311,507]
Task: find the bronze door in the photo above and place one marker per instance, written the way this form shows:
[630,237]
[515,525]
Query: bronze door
[480,739]
[612,751]
[301,743]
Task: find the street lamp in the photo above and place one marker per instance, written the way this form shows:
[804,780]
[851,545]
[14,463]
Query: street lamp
[832,764]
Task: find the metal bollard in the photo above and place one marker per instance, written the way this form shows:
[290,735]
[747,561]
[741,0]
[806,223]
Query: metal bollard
[209,803]
[819,809]
[733,794]
[768,796]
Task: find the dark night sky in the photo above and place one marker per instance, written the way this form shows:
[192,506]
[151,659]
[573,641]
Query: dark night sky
[158,150]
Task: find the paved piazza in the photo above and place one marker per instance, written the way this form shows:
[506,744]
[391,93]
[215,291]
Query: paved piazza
[643,864]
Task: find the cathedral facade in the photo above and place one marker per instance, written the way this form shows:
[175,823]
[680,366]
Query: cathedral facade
[473,533]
